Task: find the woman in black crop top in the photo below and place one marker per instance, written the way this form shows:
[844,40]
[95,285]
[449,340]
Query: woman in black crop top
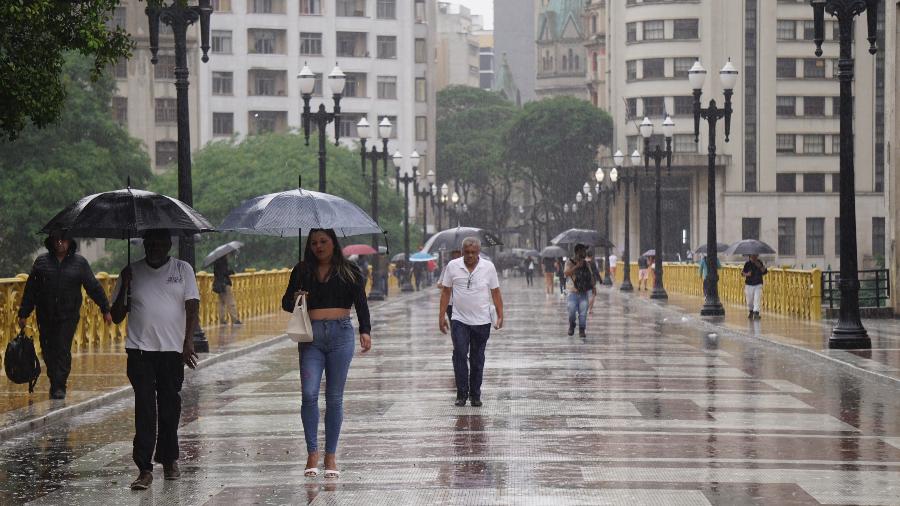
[332,284]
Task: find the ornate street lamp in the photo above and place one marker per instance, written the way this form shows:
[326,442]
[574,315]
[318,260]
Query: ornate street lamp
[406,176]
[659,291]
[609,189]
[427,192]
[336,82]
[848,332]
[384,131]
[630,181]
[442,207]
[180,16]
[454,199]
[712,114]
[578,198]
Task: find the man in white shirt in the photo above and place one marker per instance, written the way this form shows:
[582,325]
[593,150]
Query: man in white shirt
[473,283]
[160,295]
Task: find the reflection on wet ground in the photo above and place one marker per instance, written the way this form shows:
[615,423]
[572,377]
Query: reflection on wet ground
[648,409]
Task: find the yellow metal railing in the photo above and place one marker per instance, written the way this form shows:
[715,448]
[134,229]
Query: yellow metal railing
[791,292]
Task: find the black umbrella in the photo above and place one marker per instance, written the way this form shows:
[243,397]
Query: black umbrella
[222,251]
[749,247]
[553,252]
[581,236]
[720,247]
[452,238]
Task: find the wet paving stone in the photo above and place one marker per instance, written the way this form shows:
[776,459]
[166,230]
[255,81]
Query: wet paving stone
[647,409]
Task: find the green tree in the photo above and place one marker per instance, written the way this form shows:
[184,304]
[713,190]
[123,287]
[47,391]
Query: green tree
[46,169]
[36,37]
[458,98]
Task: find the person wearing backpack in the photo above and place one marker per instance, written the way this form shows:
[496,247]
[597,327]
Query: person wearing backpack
[580,281]
[53,291]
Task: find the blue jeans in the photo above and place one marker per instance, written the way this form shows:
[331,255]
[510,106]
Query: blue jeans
[578,301]
[330,352]
[469,342]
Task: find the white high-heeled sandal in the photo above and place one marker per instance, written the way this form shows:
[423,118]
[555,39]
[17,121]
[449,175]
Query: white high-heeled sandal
[311,472]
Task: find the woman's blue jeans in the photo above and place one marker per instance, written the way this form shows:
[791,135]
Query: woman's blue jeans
[578,302]
[330,352]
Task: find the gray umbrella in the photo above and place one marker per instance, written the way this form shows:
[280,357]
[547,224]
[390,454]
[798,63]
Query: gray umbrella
[222,251]
[720,247]
[553,252]
[525,252]
[581,236]
[749,247]
[452,238]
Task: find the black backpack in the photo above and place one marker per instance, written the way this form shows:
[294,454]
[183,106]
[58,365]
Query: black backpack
[21,362]
[583,278]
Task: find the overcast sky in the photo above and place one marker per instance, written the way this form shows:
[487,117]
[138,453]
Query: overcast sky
[485,8]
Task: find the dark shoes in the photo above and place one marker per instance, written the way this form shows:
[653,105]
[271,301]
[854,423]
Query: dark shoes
[581,333]
[571,331]
[460,400]
[236,322]
[143,481]
[58,393]
[476,402]
[756,315]
[750,316]
[171,471]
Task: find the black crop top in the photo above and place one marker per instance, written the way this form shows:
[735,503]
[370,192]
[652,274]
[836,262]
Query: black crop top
[334,292]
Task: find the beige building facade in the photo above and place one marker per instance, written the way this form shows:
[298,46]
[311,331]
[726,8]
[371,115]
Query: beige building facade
[595,24]
[458,47]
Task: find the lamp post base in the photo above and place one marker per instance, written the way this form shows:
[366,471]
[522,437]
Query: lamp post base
[607,281]
[659,294]
[712,309]
[375,294]
[201,344]
[849,338]
[626,286]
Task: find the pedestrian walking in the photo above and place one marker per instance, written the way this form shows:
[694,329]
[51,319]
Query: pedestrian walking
[159,294]
[612,264]
[753,273]
[222,287]
[332,285]
[580,284]
[643,273]
[473,284]
[561,275]
[419,274]
[529,271]
[549,266]
[53,291]
[704,269]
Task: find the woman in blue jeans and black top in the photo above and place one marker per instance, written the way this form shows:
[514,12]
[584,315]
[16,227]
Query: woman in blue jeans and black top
[332,284]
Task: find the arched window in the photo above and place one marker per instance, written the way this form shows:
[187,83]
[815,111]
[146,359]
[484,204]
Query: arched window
[593,24]
[565,63]
[577,63]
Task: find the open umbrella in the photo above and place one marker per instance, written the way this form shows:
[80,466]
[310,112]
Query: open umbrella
[452,238]
[399,257]
[525,252]
[581,236]
[749,247]
[221,251]
[649,253]
[422,256]
[359,249]
[553,252]
[720,247]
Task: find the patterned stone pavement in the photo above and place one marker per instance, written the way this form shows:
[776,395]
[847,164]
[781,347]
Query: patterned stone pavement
[648,409]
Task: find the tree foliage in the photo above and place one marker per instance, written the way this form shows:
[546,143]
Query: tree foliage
[34,41]
[44,170]
[455,99]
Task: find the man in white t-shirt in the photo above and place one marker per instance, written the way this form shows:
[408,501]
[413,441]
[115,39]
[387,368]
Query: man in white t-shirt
[473,283]
[159,294]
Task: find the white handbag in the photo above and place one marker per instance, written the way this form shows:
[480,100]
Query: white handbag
[299,328]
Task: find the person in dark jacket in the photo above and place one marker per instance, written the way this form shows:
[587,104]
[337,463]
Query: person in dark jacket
[222,287]
[53,289]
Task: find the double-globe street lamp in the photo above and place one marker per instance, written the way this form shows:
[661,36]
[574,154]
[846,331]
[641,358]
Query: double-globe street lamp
[406,175]
[607,190]
[592,206]
[646,128]
[712,306]
[336,82]
[384,132]
[426,193]
[848,332]
[180,16]
[629,179]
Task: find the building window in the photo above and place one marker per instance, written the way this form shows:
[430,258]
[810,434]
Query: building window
[686,29]
[265,41]
[786,106]
[786,68]
[809,30]
[836,144]
[632,142]
[387,46]
[420,11]
[165,67]
[630,32]
[221,5]
[355,85]
[785,143]
[684,143]
[836,182]
[878,242]
[393,120]
[166,152]
[310,7]
[120,69]
[262,122]
[837,237]
[786,236]
[387,87]
[814,106]
[786,29]
[166,110]
[352,44]
[263,82]
[631,70]
[786,183]
[120,110]
[310,43]
[814,144]
[682,65]
[654,30]
[421,128]
[421,95]
[654,68]
[223,124]
[835,106]
[265,7]
[221,41]
[813,183]
[222,83]
[750,228]
[654,106]
[421,51]
[351,8]
[813,68]
[630,108]
[815,237]
[387,9]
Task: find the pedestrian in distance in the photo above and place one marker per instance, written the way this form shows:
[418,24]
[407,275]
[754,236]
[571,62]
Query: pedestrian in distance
[549,266]
[643,274]
[474,286]
[580,283]
[753,273]
[704,269]
[561,275]
[612,259]
[53,291]
[159,295]
[222,287]
[529,271]
[332,285]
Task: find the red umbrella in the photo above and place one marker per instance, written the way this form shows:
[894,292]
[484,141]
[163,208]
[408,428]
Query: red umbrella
[359,249]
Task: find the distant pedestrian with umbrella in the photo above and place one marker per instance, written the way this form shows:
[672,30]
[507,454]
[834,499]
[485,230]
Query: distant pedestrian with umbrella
[753,271]
[548,264]
[332,285]
[580,284]
[222,281]
[53,289]
[643,274]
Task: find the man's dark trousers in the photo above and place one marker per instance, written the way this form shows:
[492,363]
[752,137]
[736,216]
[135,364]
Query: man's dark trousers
[156,377]
[469,342]
[56,347]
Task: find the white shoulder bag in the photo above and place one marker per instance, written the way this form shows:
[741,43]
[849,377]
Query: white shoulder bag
[299,328]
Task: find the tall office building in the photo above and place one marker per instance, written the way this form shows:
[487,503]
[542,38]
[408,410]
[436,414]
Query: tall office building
[458,48]
[514,35]
[561,57]
[595,44]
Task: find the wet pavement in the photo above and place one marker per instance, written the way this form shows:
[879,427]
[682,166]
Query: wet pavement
[649,408]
